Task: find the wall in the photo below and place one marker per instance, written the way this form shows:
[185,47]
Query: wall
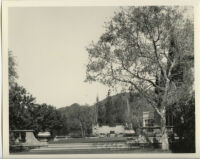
[97,130]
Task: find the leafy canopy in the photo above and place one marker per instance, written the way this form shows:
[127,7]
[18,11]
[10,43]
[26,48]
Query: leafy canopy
[140,45]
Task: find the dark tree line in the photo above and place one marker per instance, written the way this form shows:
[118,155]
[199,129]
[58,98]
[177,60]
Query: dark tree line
[25,114]
[78,120]
[114,110]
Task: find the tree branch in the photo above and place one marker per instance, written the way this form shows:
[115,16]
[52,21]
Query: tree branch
[138,89]
[171,67]
[139,77]
[158,61]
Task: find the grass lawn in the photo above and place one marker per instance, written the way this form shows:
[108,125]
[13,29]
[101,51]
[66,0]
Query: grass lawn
[61,147]
[101,151]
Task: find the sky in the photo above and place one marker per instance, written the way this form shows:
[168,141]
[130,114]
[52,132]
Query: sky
[50,49]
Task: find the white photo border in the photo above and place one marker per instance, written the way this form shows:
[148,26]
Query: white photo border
[66,3]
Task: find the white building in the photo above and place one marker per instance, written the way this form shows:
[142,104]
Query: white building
[148,119]
[105,129]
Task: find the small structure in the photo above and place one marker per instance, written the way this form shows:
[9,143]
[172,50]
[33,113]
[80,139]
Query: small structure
[148,119]
[151,122]
[105,129]
[24,138]
[151,129]
[44,136]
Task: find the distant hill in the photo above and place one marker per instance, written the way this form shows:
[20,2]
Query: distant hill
[117,109]
[124,108]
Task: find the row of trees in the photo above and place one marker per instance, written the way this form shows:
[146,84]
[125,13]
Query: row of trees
[78,120]
[123,108]
[25,113]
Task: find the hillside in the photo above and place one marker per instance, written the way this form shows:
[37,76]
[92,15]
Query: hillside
[121,108]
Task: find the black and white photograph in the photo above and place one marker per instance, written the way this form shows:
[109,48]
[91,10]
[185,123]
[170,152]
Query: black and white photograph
[100,80]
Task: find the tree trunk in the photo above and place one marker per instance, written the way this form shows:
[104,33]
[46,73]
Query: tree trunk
[81,129]
[164,137]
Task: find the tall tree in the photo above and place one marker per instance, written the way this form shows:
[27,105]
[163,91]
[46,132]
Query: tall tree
[109,116]
[101,113]
[19,99]
[136,49]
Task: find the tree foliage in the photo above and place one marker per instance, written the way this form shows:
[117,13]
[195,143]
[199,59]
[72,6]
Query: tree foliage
[135,49]
[142,48]
[24,113]
[19,104]
[78,120]
[113,110]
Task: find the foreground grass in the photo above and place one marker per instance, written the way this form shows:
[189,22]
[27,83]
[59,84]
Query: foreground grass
[100,151]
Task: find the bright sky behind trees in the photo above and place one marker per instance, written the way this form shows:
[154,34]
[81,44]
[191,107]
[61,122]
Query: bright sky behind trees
[50,49]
